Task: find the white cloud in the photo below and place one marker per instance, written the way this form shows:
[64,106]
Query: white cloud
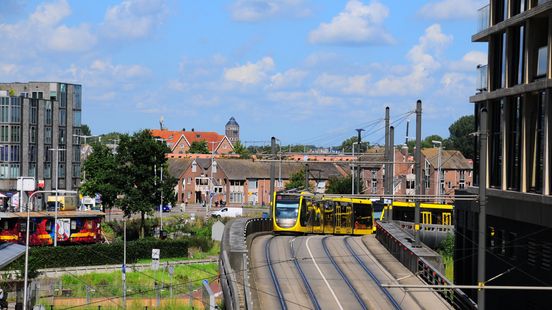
[256,10]
[469,61]
[103,74]
[289,78]
[8,69]
[43,31]
[358,24]
[250,73]
[134,19]
[451,9]
[66,39]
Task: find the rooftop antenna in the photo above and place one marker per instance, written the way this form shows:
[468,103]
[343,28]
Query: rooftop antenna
[161,120]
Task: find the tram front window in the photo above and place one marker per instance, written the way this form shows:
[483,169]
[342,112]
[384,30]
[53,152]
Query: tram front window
[286,213]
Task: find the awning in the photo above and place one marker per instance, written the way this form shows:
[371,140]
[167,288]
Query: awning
[10,252]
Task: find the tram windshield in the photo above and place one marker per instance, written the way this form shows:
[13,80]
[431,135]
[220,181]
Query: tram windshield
[287,209]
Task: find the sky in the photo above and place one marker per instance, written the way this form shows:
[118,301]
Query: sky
[304,71]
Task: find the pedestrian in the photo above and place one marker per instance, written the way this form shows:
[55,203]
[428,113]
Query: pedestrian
[3,299]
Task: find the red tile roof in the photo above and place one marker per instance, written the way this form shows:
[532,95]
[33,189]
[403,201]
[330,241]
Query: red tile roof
[172,137]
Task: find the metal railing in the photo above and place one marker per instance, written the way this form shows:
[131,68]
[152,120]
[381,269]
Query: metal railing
[483,19]
[481,78]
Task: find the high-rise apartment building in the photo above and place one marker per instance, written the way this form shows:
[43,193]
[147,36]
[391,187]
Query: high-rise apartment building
[515,87]
[35,119]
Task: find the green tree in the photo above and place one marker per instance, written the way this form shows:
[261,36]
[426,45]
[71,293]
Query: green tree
[296,180]
[429,139]
[85,130]
[426,143]
[199,147]
[460,138]
[339,185]
[141,158]
[102,175]
[347,145]
[240,149]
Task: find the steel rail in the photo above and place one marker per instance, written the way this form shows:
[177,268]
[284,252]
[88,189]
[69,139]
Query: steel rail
[273,275]
[342,274]
[306,283]
[371,274]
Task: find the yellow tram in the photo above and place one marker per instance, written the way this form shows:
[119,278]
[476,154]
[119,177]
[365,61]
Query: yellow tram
[430,213]
[311,214]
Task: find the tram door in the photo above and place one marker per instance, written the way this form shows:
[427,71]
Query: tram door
[318,218]
[343,221]
[363,218]
[426,217]
[329,217]
[447,218]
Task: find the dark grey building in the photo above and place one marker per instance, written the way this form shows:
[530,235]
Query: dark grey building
[36,117]
[515,88]
[232,130]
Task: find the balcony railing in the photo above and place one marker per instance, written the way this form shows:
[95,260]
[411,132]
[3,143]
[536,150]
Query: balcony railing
[483,18]
[481,78]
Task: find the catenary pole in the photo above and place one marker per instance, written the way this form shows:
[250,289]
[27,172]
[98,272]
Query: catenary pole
[418,168]
[391,153]
[481,247]
[359,140]
[386,154]
[272,173]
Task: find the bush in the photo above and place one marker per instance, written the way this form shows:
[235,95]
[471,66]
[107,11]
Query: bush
[107,254]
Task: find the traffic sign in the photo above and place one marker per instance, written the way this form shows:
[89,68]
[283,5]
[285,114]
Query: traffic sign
[155,253]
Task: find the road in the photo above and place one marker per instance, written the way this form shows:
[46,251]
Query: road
[197,209]
[335,278]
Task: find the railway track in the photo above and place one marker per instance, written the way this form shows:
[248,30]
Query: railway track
[306,283]
[342,274]
[371,274]
[275,281]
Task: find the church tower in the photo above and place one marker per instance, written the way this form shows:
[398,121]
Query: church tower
[232,130]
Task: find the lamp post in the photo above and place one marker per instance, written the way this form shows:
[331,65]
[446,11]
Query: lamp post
[211,195]
[438,187]
[56,191]
[353,170]
[85,137]
[26,276]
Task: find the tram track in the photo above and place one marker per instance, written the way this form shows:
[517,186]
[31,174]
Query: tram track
[361,263]
[306,283]
[275,281]
[343,275]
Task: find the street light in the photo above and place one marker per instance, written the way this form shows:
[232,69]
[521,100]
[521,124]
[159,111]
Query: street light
[438,187]
[57,197]
[211,195]
[27,228]
[85,137]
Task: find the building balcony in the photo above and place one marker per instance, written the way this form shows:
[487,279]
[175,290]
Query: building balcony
[483,18]
[542,62]
[481,78]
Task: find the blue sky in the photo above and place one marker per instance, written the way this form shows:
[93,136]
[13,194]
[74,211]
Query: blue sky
[303,71]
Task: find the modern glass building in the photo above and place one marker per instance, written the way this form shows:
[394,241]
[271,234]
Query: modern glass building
[36,118]
[515,87]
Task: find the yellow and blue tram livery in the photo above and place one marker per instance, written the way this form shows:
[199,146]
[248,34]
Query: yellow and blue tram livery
[430,213]
[312,214]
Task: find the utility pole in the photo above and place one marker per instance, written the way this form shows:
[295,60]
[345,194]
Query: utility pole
[272,173]
[418,168]
[438,185]
[391,166]
[306,177]
[481,246]
[386,154]
[353,169]
[359,140]
[124,262]
[161,206]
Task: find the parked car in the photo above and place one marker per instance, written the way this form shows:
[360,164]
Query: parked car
[166,208]
[227,212]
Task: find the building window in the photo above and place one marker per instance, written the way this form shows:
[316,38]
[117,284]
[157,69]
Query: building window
[4,111]
[77,97]
[513,143]
[252,184]
[76,154]
[33,153]
[76,171]
[48,135]
[4,151]
[4,171]
[495,143]
[61,170]
[63,93]
[14,153]
[62,117]
[4,133]
[535,142]
[542,61]
[48,116]
[14,171]
[61,135]
[32,134]
[47,170]
[214,168]
[32,169]
[33,119]
[15,110]
[15,133]
[194,166]
[77,118]
[518,56]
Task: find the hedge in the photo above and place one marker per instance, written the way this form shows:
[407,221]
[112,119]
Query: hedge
[107,254]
